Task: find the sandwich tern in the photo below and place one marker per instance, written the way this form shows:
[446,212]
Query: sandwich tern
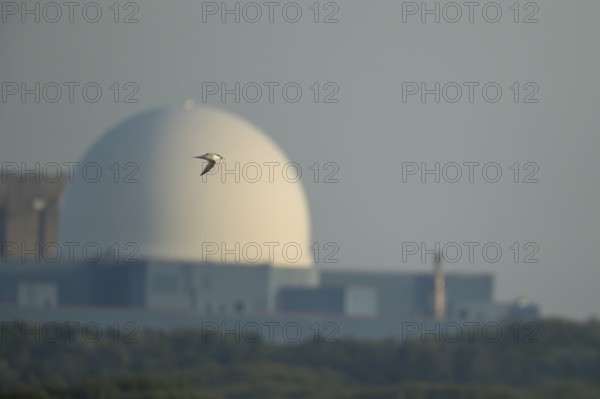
[212,158]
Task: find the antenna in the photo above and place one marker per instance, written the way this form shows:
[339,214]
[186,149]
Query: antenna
[439,288]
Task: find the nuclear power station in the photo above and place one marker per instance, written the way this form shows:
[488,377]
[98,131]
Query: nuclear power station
[133,233]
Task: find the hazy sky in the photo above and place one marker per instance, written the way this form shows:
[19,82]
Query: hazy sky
[368,61]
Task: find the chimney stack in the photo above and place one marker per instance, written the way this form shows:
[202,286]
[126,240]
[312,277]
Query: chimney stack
[439,289]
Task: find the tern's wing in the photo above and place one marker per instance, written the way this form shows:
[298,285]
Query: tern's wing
[207,168]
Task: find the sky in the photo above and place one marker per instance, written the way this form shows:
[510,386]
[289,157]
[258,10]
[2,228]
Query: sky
[369,74]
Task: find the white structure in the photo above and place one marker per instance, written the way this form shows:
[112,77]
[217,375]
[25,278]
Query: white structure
[248,210]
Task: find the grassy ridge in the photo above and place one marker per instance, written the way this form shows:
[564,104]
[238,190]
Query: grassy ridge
[564,361]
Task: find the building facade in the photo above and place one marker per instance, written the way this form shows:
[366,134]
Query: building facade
[167,293]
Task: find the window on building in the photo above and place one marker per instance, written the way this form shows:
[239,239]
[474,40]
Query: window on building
[239,307]
[164,283]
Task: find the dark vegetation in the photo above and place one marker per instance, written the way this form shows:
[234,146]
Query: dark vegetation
[563,362]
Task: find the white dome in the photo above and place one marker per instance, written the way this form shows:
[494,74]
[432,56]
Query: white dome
[173,213]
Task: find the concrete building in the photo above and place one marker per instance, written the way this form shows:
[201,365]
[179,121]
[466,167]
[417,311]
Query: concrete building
[217,289]
[412,294]
[29,209]
[231,245]
[157,285]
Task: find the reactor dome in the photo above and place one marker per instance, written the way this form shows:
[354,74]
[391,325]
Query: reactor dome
[138,191]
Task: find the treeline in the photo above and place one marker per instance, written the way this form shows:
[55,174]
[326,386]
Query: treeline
[563,361]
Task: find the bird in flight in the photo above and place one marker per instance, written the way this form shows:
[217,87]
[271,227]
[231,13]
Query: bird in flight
[212,158]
